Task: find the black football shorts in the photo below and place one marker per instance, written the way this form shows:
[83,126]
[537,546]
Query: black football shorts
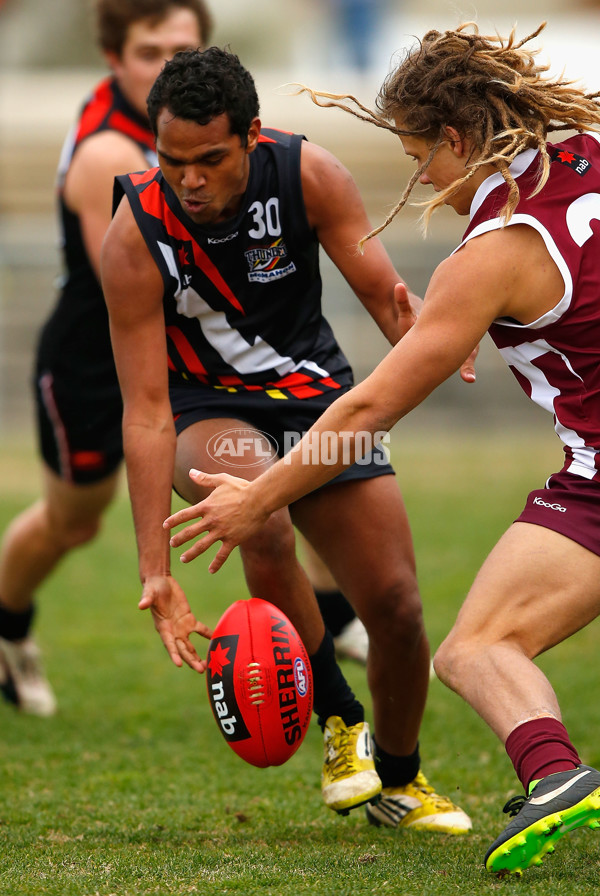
[79,427]
[283,421]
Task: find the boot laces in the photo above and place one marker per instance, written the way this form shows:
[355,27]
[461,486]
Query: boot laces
[422,785]
[339,755]
[514,805]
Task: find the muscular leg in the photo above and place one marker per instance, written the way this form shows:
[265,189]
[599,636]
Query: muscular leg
[66,516]
[269,558]
[535,589]
[374,564]
[361,531]
[273,573]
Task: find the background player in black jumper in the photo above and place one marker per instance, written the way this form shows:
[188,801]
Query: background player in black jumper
[219,249]
[77,394]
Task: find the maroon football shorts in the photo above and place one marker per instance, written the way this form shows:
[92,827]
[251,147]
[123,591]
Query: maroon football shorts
[570,505]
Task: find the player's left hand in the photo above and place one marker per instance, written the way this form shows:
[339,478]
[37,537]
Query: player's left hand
[228,515]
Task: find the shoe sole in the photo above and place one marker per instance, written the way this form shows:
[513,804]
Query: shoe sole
[530,845]
[419,824]
[345,810]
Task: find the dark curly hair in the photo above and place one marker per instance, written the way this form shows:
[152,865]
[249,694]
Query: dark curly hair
[198,85]
[490,89]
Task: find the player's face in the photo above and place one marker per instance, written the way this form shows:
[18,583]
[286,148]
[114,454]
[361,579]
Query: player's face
[447,166]
[206,166]
[146,50]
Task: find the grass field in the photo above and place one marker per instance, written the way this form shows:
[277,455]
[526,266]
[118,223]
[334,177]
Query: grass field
[131,790]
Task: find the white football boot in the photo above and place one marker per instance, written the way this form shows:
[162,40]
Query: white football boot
[22,679]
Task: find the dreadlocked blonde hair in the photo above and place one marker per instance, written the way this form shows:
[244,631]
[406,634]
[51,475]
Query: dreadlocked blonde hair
[490,89]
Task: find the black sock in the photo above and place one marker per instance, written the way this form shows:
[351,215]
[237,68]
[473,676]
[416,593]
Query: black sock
[15,626]
[396,771]
[335,609]
[333,695]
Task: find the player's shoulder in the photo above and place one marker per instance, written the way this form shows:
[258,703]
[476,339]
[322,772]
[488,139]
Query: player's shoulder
[501,245]
[320,166]
[581,141]
[312,154]
[327,185]
[110,151]
[270,136]
[89,179]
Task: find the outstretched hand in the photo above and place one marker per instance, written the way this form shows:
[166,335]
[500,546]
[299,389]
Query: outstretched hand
[227,515]
[173,620]
[409,306]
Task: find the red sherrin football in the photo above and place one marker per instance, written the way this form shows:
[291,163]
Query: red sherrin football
[259,682]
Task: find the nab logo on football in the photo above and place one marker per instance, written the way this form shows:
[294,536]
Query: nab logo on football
[259,682]
[221,662]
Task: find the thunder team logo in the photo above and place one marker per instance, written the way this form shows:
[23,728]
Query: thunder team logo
[268,263]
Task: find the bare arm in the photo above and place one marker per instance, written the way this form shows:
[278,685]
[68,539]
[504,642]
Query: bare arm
[89,184]
[133,290]
[504,273]
[335,209]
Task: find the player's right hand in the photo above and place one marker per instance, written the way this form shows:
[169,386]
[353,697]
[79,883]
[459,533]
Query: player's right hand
[226,515]
[173,620]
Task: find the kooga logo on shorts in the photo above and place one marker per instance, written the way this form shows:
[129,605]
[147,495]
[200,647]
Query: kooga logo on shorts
[550,506]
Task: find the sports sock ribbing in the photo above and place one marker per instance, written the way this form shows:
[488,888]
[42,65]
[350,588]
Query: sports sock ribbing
[396,771]
[15,626]
[540,747]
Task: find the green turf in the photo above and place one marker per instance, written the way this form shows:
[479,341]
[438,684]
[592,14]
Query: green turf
[131,790]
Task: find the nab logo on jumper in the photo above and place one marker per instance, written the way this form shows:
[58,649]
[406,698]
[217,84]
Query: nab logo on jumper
[579,164]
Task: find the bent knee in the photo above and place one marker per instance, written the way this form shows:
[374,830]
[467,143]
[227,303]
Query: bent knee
[395,615]
[456,659]
[73,533]
[442,662]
